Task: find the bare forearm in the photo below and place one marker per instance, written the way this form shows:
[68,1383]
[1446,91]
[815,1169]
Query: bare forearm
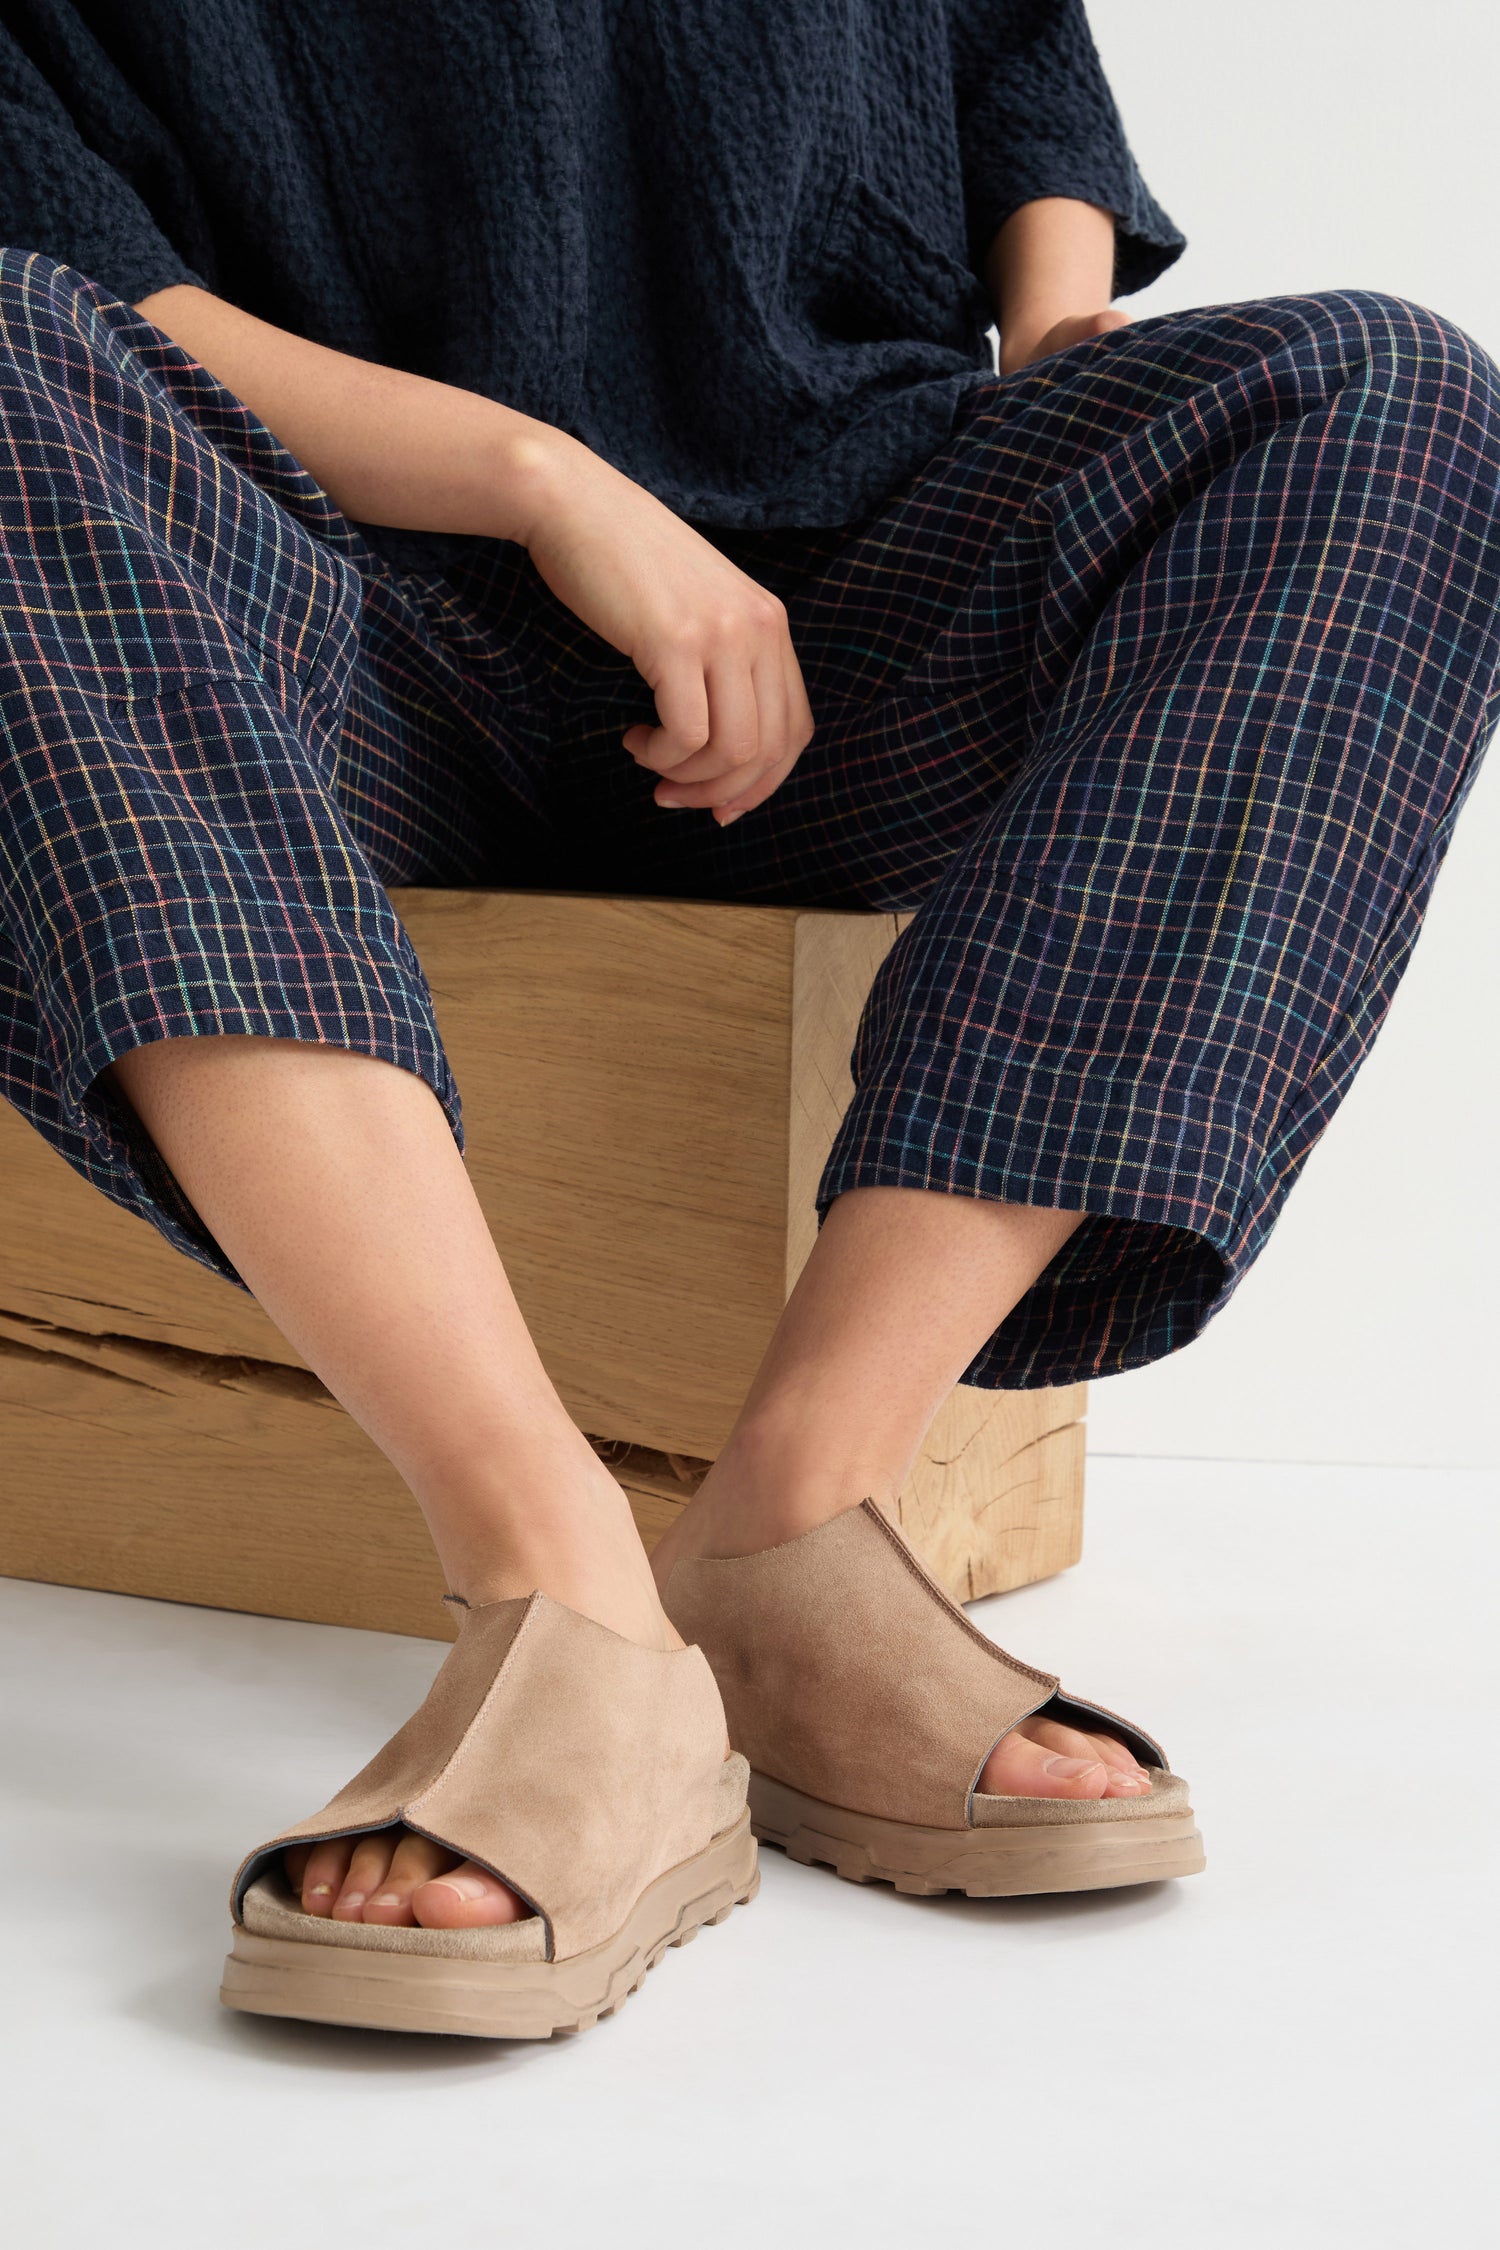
[1052,261]
[713,644]
[388,447]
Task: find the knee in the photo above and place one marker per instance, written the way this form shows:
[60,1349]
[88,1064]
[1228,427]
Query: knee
[1407,351]
[1425,395]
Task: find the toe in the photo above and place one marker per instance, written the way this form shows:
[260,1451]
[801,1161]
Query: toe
[1019,1767]
[466,1898]
[1127,1778]
[369,1864]
[414,1862]
[317,1873]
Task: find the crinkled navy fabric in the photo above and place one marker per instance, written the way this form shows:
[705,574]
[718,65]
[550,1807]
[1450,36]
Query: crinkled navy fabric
[735,246]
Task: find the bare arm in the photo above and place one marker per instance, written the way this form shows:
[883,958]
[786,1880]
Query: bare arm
[393,448]
[388,447]
[1050,269]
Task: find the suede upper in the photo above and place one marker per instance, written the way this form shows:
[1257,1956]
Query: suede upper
[574,1764]
[848,1674]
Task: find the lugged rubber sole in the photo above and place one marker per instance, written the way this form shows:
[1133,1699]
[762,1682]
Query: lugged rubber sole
[982,1862]
[493,1999]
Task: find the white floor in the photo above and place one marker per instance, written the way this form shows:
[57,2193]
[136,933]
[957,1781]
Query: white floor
[1296,2048]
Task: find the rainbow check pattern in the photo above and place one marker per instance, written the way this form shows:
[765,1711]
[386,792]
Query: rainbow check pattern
[1155,695]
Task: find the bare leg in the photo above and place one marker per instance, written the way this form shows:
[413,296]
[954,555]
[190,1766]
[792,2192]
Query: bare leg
[902,1288]
[332,1182]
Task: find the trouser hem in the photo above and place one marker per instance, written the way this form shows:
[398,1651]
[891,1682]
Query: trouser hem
[1163,1175]
[168,977]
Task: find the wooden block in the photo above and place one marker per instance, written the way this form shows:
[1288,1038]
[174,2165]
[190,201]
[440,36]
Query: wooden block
[239,1484]
[996,1497]
[146,1470]
[627,1068]
[649,1089]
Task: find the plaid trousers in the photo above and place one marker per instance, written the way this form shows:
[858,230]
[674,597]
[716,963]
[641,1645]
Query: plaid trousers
[1155,694]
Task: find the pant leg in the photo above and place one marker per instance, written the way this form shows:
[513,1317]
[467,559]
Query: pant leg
[224,728]
[1157,694]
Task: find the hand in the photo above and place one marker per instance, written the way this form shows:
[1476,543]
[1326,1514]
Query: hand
[394,448]
[1019,348]
[710,641]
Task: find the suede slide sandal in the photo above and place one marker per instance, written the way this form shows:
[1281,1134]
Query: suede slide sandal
[586,1772]
[868,1704]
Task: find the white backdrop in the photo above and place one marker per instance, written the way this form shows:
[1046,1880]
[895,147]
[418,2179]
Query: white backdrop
[1320,145]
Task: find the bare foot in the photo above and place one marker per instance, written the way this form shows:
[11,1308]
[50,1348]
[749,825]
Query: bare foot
[398,1878]
[1043,1758]
[594,1562]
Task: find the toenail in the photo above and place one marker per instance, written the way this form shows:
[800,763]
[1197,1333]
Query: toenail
[352,1899]
[465,1886]
[1068,1769]
[385,1898]
[320,1890]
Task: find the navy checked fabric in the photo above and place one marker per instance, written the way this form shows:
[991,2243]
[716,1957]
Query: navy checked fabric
[1155,694]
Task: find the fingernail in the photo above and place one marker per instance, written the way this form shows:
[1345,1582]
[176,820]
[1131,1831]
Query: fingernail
[1068,1769]
[464,1886]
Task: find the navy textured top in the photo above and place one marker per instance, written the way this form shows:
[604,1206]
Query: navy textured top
[735,246]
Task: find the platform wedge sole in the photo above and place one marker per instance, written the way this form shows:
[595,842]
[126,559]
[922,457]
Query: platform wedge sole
[585,1771]
[851,1676]
[399,1991]
[1000,1861]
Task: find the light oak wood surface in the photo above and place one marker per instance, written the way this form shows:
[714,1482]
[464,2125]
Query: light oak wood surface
[639,1139]
[144,1469]
[650,1089]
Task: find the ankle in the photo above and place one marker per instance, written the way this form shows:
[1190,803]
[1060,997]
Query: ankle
[587,1555]
[539,1517]
[780,1479]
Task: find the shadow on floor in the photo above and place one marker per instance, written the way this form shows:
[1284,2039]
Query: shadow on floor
[185,2006]
[1059,1911]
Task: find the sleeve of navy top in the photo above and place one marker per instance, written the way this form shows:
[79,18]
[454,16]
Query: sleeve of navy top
[62,196]
[1036,117]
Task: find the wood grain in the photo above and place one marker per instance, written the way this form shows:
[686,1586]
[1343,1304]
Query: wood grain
[624,1067]
[237,1484]
[996,1497]
[646,1090]
[650,1090]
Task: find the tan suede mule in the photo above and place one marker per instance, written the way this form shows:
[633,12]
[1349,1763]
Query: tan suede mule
[867,1705]
[586,1772]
